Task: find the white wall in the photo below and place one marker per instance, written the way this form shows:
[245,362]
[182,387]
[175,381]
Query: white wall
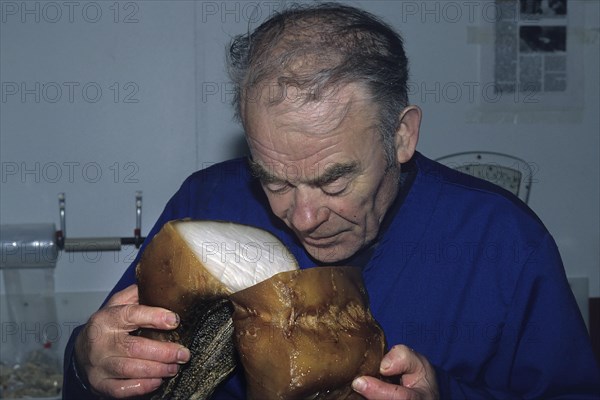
[107,148]
[174,53]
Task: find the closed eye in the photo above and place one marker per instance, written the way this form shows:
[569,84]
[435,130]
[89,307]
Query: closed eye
[277,187]
[337,187]
[335,181]
[338,178]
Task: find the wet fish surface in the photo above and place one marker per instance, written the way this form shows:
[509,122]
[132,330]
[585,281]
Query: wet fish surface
[208,334]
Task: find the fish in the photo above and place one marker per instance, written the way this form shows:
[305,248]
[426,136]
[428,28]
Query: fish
[209,337]
[240,295]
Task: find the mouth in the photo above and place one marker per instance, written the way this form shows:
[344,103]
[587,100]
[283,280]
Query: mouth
[321,241]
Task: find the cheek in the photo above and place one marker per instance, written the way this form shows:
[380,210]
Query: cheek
[348,209]
[279,205]
[360,201]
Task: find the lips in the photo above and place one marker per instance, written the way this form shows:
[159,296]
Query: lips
[321,241]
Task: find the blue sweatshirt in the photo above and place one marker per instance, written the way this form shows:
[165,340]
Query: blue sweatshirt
[463,272]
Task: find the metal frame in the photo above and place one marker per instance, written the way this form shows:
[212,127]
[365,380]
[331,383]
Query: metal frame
[506,171]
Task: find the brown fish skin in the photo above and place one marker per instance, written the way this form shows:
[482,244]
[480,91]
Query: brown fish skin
[170,275]
[307,334]
[209,336]
[315,331]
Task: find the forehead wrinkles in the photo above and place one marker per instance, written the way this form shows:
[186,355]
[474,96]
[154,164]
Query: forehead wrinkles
[312,118]
[296,153]
[311,132]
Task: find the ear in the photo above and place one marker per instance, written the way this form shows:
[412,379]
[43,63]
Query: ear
[407,134]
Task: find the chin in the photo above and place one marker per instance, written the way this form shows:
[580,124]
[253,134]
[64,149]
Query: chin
[330,254]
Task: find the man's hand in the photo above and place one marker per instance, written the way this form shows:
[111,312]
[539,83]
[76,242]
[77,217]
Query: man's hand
[118,364]
[416,377]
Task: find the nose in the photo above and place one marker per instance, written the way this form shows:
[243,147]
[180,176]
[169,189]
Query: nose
[308,210]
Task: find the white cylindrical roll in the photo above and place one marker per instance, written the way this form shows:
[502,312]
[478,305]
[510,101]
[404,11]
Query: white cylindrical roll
[93,244]
[28,246]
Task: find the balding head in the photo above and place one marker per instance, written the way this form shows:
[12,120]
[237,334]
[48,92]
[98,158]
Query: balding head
[310,52]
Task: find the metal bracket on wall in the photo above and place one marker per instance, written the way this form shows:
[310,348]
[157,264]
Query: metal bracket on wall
[98,243]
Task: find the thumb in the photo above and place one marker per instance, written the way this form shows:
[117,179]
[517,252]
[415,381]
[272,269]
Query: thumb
[374,389]
[129,295]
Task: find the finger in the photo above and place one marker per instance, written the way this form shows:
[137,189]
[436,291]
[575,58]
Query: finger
[142,348]
[131,368]
[374,389]
[399,360]
[121,388]
[129,295]
[133,316]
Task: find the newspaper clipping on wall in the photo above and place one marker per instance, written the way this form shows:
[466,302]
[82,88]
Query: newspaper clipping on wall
[531,46]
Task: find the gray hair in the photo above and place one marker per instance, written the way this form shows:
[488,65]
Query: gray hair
[319,48]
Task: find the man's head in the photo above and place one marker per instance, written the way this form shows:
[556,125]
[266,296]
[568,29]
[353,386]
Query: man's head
[321,92]
[315,48]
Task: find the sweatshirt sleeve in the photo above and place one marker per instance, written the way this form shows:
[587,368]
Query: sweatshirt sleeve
[74,383]
[544,351]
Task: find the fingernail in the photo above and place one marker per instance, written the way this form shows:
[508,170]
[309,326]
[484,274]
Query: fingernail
[155,383]
[172,319]
[385,364]
[173,369]
[359,384]
[183,355]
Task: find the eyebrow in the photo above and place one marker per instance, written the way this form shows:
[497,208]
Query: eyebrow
[259,172]
[331,174]
[335,172]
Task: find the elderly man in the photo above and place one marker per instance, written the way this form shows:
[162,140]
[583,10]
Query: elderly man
[464,279]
